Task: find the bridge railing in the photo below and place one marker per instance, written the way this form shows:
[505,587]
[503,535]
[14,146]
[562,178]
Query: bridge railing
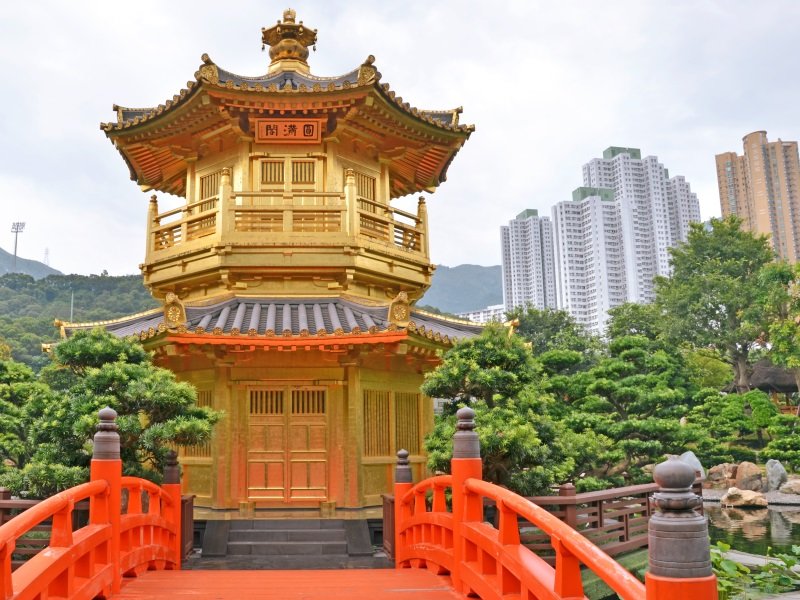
[92,560]
[490,562]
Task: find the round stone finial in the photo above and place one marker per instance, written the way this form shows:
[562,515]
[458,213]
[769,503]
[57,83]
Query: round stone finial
[677,535]
[172,471]
[107,415]
[674,475]
[466,419]
[402,470]
[465,442]
[106,440]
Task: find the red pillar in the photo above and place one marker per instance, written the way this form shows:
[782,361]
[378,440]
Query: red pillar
[466,464]
[402,483]
[172,487]
[106,464]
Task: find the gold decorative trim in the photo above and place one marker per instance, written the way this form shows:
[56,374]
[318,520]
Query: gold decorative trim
[174,311]
[399,310]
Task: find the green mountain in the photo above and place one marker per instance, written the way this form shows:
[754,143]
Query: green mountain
[465,287]
[30,302]
[26,266]
[29,306]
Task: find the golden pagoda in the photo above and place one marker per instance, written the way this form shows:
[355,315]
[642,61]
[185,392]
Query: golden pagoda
[288,278]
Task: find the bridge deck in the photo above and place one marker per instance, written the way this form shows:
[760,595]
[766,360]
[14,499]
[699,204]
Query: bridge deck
[354,584]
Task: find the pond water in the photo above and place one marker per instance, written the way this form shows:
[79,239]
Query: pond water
[754,529]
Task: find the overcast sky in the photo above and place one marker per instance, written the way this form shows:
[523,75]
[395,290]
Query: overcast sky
[548,86]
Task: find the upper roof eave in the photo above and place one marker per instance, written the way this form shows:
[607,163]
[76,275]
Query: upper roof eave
[210,76]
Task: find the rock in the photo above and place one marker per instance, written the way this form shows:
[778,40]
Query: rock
[748,477]
[721,472]
[776,475]
[721,476]
[690,459]
[737,497]
[791,487]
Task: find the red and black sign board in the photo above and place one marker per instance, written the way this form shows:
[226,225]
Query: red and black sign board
[289,131]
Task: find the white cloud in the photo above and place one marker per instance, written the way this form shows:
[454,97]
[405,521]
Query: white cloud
[548,85]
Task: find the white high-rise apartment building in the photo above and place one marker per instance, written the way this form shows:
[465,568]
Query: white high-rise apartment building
[613,238]
[590,256]
[652,207]
[528,265]
[495,312]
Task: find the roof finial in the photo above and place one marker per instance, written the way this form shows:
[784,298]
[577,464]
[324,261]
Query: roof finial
[288,41]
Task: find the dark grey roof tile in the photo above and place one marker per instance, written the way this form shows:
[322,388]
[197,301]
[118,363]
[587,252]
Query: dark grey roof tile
[287,317]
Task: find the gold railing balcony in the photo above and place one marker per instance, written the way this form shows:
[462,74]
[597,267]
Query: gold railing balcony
[322,217]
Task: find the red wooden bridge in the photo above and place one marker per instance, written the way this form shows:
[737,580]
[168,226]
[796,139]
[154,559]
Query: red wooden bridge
[441,552]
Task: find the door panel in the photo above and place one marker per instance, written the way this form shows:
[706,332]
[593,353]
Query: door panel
[287,445]
[266,464]
[308,454]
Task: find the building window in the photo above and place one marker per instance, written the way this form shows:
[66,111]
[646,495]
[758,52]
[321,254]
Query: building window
[376,423]
[272,172]
[391,422]
[209,185]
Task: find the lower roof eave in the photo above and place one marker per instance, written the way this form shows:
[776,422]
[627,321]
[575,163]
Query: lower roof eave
[389,337]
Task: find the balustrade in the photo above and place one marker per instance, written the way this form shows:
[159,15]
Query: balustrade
[491,562]
[233,216]
[91,560]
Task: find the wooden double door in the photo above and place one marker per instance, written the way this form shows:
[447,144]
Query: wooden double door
[287,454]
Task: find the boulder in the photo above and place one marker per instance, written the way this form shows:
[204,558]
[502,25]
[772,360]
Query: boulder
[776,475]
[748,477]
[737,497]
[690,459]
[791,487]
[721,476]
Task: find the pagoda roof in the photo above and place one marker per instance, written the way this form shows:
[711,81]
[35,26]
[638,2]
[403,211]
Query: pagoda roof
[153,140]
[288,319]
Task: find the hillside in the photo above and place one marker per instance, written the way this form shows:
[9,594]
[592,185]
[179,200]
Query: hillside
[28,307]
[26,266]
[465,287]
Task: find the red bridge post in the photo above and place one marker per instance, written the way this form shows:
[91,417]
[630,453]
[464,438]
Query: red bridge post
[466,464]
[403,482]
[106,464]
[679,555]
[172,486]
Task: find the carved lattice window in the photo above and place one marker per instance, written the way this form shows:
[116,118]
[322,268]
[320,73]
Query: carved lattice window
[272,172]
[377,440]
[406,419]
[308,402]
[266,402]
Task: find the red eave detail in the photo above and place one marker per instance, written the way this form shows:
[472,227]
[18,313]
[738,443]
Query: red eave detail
[288,342]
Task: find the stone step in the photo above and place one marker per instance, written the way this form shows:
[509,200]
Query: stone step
[286,524]
[286,548]
[296,562]
[287,535]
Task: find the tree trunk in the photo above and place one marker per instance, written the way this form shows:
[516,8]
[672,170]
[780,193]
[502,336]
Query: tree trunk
[742,376]
[796,373]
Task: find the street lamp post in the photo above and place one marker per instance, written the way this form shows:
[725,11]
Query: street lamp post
[16,228]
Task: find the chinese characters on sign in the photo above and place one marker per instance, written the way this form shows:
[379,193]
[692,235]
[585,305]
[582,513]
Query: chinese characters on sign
[289,131]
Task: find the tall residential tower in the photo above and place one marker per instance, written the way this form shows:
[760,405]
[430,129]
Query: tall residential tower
[589,254]
[614,237]
[652,209]
[762,187]
[528,266]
